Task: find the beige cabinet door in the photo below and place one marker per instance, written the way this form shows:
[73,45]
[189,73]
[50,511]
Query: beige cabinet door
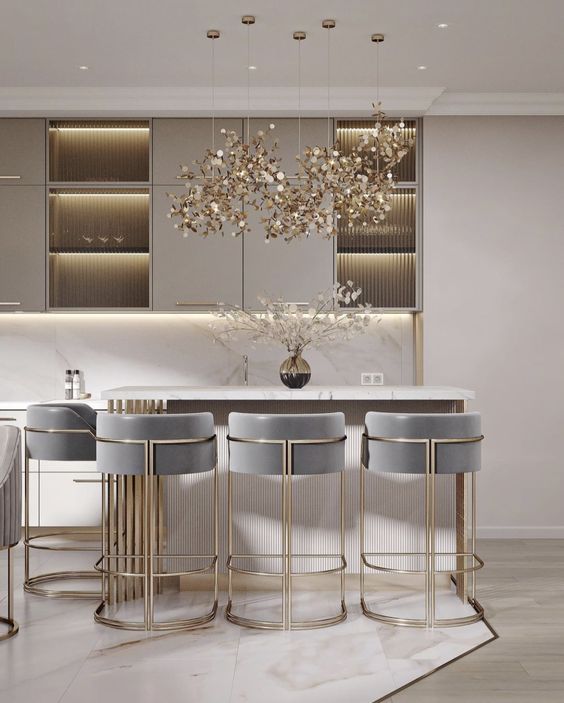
[180,141]
[313,133]
[295,270]
[192,273]
[22,248]
[22,151]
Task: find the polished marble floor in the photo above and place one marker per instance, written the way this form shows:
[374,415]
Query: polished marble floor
[61,655]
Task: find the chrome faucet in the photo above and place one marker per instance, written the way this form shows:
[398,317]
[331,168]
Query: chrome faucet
[245,369]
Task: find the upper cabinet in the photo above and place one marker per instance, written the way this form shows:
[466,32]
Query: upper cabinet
[99,151]
[295,270]
[192,273]
[383,257]
[22,151]
[315,131]
[22,241]
[181,141]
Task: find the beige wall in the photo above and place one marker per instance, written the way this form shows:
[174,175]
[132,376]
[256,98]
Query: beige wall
[493,302]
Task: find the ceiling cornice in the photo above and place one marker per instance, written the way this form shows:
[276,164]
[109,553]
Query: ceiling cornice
[173,101]
[195,102]
[498,104]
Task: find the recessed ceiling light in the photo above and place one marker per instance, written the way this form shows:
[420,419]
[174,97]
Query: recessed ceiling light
[442,25]
[421,68]
[252,68]
[83,68]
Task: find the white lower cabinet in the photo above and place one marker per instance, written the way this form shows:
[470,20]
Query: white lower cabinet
[70,499]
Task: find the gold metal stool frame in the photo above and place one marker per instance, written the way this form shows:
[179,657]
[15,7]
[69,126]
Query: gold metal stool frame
[148,558]
[430,554]
[287,623]
[33,584]
[13,626]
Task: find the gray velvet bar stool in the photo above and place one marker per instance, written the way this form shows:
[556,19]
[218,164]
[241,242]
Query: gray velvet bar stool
[428,445]
[148,448]
[58,432]
[285,446]
[10,513]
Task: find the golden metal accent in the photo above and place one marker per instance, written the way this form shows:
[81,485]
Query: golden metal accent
[34,584]
[377,38]
[287,556]
[121,566]
[299,36]
[213,34]
[429,554]
[248,19]
[494,637]
[13,626]
[328,24]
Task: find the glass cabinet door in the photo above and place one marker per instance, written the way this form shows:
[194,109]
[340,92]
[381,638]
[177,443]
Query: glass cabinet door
[381,257]
[99,248]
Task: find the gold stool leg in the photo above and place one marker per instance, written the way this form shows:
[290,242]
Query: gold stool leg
[13,626]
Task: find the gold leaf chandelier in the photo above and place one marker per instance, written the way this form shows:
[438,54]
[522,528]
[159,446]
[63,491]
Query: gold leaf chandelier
[331,186]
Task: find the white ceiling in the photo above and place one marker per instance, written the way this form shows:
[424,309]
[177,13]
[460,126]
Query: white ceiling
[494,52]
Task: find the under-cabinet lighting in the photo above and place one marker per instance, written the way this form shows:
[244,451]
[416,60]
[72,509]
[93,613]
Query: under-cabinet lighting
[99,129]
[99,253]
[101,195]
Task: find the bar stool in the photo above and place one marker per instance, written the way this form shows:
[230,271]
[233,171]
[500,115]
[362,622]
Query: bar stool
[57,432]
[10,512]
[428,445]
[148,447]
[286,446]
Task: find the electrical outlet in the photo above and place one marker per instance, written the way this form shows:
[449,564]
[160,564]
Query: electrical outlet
[372,379]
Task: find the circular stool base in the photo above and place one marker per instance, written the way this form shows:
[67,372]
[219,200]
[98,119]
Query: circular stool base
[277,625]
[13,628]
[189,624]
[417,622]
[32,585]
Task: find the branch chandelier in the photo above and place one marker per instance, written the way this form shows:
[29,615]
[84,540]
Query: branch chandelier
[247,174]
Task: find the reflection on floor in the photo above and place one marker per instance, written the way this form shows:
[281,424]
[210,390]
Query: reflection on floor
[61,655]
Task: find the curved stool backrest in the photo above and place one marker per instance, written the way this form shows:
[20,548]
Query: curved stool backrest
[411,457]
[317,441]
[61,432]
[10,486]
[182,444]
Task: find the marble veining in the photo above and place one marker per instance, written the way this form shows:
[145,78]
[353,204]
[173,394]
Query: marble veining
[176,350]
[62,656]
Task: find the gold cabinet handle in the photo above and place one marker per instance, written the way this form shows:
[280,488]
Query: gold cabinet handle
[8,419]
[203,304]
[87,480]
[10,178]
[10,302]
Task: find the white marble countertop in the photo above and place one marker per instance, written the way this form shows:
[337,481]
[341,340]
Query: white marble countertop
[282,393]
[6,405]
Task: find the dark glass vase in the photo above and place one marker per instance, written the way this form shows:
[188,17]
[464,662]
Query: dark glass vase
[295,372]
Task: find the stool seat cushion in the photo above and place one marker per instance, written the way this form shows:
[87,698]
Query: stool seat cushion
[10,486]
[129,459]
[267,459]
[409,458]
[57,446]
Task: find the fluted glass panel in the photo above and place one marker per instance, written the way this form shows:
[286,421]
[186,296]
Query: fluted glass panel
[381,257]
[98,248]
[99,151]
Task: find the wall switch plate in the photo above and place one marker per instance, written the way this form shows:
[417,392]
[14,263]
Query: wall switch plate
[372,379]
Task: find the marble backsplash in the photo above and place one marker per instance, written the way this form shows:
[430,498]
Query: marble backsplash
[168,349]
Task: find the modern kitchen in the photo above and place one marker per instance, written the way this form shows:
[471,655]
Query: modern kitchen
[280,352]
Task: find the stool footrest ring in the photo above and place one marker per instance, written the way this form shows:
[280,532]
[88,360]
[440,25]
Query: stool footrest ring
[477,562]
[32,584]
[13,628]
[168,625]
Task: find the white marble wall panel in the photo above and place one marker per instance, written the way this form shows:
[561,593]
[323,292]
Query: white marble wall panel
[167,349]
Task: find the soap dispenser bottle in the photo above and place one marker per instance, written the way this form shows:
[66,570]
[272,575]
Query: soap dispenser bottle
[76,385]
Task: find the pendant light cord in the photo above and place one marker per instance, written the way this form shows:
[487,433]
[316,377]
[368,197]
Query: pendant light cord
[248,83]
[213,92]
[328,88]
[299,98]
